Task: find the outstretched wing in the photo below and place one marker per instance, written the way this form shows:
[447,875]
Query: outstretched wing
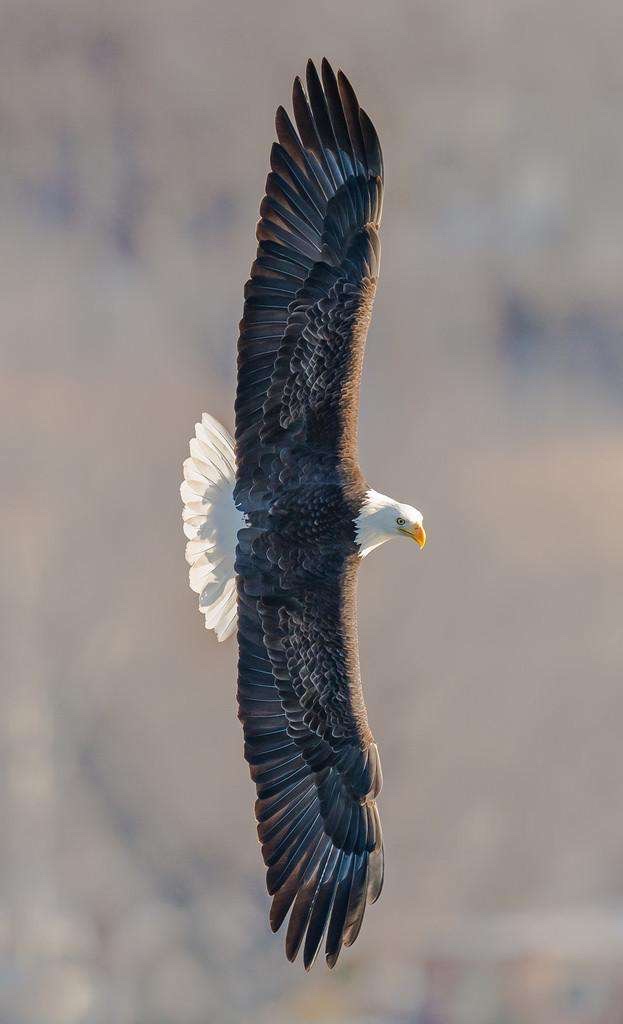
[309,299]
[307,310]
[312,755]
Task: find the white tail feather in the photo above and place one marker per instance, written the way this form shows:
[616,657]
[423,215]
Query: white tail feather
[211,523]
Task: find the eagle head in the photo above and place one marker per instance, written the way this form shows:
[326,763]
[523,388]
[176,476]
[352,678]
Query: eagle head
[381,518]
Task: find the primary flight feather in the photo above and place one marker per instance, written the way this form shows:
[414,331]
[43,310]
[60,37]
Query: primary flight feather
[278,521]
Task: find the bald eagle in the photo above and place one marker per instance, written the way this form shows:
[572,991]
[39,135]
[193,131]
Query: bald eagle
[279,520]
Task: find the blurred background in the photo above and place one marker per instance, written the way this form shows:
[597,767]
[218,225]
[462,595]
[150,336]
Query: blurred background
[134,142]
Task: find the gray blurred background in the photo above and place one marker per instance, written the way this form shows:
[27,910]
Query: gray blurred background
[134,142]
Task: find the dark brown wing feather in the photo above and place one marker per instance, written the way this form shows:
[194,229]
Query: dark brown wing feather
[307,310]
[317,265]
[311,752]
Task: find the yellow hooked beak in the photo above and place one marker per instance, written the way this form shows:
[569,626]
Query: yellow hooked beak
[417,533]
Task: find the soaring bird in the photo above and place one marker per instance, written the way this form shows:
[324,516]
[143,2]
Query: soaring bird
[279,520]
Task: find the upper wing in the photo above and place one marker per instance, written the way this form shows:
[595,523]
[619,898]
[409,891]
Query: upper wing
[312,755]
[309,299]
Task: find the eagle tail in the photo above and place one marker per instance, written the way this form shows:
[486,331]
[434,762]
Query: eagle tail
[211,523]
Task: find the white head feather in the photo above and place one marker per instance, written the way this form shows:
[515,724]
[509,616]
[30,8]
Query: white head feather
[381,518]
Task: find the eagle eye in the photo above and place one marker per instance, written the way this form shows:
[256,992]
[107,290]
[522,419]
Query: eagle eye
[401,521]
